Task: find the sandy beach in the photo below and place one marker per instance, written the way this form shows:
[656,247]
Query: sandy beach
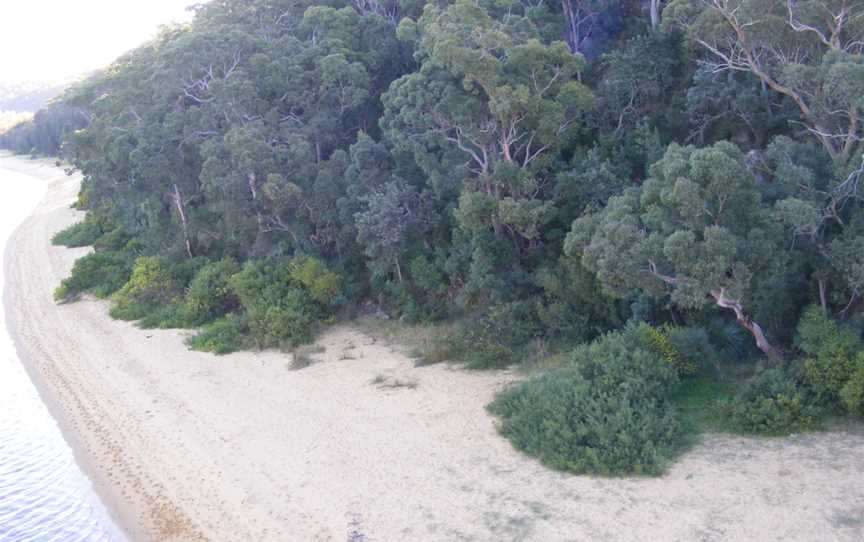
[186,446]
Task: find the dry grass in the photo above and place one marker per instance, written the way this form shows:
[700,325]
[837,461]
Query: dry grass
[301,356]
[387,382]
[425,343]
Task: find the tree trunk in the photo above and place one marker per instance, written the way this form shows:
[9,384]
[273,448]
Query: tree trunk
[747,323]
[571,26]
[823,297]
[655,14]
[398,270]
[253,189]
[178,202]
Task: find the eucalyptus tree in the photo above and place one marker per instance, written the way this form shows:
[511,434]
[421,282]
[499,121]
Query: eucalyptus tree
[492,93]
[807,50]
[696,232]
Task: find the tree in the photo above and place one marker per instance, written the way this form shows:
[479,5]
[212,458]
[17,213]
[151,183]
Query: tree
[807,50]
[696,231]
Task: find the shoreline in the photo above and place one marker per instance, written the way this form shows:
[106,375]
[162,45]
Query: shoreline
[101,486]
[185,446]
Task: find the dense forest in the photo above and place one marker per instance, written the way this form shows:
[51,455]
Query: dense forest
[638,194]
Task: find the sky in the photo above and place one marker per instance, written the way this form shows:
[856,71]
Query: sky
[48,40]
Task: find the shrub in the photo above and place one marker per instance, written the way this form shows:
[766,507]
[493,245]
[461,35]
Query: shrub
[660,341]
[852,393]
[185,270]
[834,356]
[222,336]
[99,273]
[493,338]
[321,283]
[171,316]
[150,287]
[82,234]
[284,302]
[210,295]
[771,404]
[608,413]
[116,239]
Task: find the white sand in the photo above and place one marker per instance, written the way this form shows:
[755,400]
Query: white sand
[188,446]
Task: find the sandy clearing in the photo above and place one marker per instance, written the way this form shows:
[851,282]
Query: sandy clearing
[186,446]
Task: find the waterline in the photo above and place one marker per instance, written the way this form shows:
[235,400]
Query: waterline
[44,495]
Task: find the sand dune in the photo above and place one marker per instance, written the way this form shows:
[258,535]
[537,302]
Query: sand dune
[186,446]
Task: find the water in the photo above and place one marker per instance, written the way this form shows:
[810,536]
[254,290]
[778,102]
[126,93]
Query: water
[44,496]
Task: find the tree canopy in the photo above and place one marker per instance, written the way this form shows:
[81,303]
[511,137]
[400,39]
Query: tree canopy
[580,164]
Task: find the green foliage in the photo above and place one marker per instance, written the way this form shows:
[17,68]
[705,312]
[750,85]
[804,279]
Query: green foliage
[700,402]
[209,295]
[322,284]
[519,168]
[284,303]
[171,316]
[852,392]
[150,287]
[116,239]
[80,234]
[99,273]
[772,403]
[696,231]
[609,413]
[223,336]
[659,340]
[494,338]
[835,357]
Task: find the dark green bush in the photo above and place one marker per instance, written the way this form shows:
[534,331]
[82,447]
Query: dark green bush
[210,295]
[608,413]
[170,316]
[222,336]
[81,234]
[99,273]
[150,287]
[116,239]
[772,403]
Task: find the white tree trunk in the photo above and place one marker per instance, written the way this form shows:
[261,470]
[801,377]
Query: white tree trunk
[178,202]
[747,323]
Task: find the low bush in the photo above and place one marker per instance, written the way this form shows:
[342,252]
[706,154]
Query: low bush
[171,316]
[223,336]
[81,234]
[660,340]
[772,403]
[210,295]
[116,239]
[607,413]
[98,273]
[493,338]
[284,302]
[834,357]
[852,392]
[150,287]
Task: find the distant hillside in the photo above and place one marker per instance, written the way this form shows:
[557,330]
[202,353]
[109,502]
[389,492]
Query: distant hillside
[28,97]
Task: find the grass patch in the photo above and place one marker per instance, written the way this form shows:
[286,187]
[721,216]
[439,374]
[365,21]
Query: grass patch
[699,402]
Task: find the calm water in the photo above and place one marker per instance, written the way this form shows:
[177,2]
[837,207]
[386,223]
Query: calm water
[44,496]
